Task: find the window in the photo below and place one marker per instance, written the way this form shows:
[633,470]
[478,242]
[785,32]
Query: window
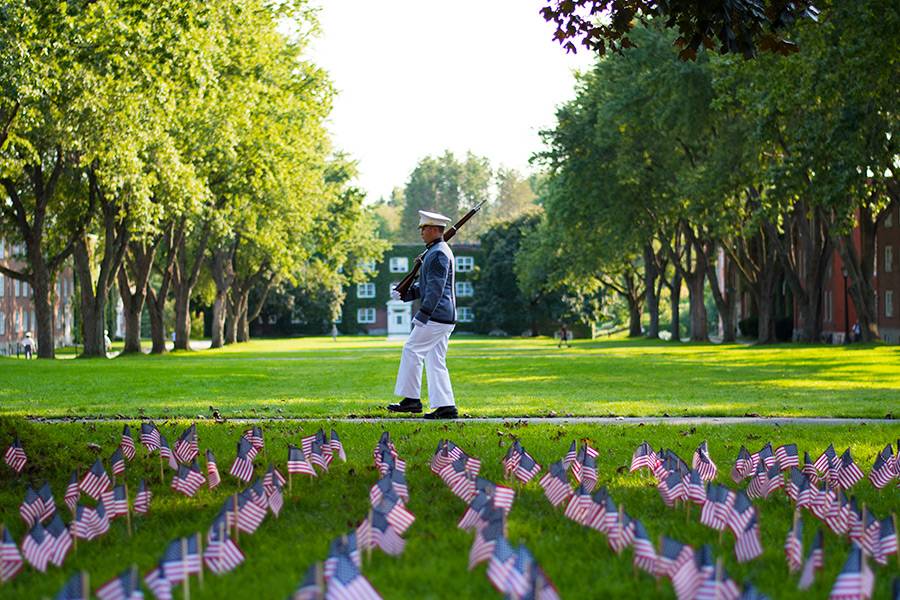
[888,259]
[365,290]
[33,321]
[2,323]
[464,264]
[464,288]
[888,303]
[2,248]
[365,315]
[17,288]
[399,264]
[368,266]
[888,221]
[465,315]
[2,285]
[273,319]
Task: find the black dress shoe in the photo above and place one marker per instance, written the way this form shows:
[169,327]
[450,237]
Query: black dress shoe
[410,405]
[444,412]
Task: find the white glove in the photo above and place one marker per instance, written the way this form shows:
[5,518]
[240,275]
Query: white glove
[395,295]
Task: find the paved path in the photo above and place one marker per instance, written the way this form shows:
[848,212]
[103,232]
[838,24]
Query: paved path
[777,421]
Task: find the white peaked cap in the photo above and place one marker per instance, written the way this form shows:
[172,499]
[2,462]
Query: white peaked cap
[430,218]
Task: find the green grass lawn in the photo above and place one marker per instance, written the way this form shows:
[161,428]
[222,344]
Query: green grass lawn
[434,563]
[316,377]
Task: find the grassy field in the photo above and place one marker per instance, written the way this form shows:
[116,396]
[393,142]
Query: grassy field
[316,377]
[434,563]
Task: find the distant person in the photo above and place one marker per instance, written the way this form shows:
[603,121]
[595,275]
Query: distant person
[107,343]
[563,336]
[432,326]
[855,333]
[334,332]
[28,345]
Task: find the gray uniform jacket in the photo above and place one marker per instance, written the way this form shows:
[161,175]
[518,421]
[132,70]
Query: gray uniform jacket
[436,286]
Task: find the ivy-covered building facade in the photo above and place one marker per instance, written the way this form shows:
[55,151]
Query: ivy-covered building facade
[368,308]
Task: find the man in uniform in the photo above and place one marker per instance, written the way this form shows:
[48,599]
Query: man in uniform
[432,326]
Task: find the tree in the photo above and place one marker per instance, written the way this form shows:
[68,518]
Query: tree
[743,27]
[515,195]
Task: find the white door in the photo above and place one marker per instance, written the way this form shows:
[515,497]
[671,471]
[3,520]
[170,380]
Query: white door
[399,317]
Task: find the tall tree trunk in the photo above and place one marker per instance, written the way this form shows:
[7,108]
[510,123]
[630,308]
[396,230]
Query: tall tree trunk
[723,292]
[765,306]
[156,299]
[695,284]
[133,290]
[183,281]
[223,275]
[243,330]
[675,298]
[232,312]
[156,308]
[651,274]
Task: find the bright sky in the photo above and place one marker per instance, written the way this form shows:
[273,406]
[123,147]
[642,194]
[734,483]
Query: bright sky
[416,77]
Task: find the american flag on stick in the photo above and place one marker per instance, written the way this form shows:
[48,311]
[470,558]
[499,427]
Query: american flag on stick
[501,563]
[251,510]
[580,505]
[718,586]
[709,514]
[787,456]
[346,545]
[254,435]
[31,508]
[828,456]
[526,469]
[793,544]
[511,459]
[337,447]
[117,462]
[186,447]
[702,462]
[694,490]
[165,452]
[885,468]
[644,552]
[671,488]
[774,479]
[643,457]
[382,535]
[188,480]
[142,499]
[748,544]
[673,555]
[571,456]
[159,583]
[212,470]
[848,473]
[15,456]
[95,481]
[621,533]
[596,520]
[150,437]
[855,580]
[743,466]
[273,476]
[274,497]
[809,468]
[313,585]
[10,558]
[222,554]
[118,502]
[396,514]
[556,485]
[815,560]
[503,497]
[458,479]
[348,583]
[742,512]
[885,542]
[693,573]
[297,462]
[72,492]
[76,588]
[37,547]
[60,541]
[760,482]
[125,586]
[485,541]
[127,443]
[242,467]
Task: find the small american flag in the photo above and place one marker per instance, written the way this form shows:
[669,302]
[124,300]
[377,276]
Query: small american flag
[159,583]
[458,479]
[212,470]
[125,586]
[186,447]
[643,457]
[703,463]
[787,456]
[348,583]
[673,555]
[884,469]
[15,456]
[72,492]
[95,481]
[76,588]
[503,497]
[222,554]
[580,505]
[150,437]
[272,477]
[795,480]
[571,456]
[694,490]
[384,536]
[166,452]
[31,508]
[396,514]
[809,468]
[297,462]
[886,543]
[60,541]
[855,580]
[743,465]
[511,460]
[188,479]
[142,499]
[765,455]
[480,512]
[174,562]
[727,500]
[693,573]
[117,462]
[337,447]
[829,456]
[741,513]
[313,585]
[760,482]
[251,510]
[774,479]
[127,443]
[838,515]
[793,545]
[118,502]
[596,520]
[37,547]
[671,488]
[815,560]
[751,593]
[644,551]
[254,435]
[242,467]
[556,485]
[10,558]
[709,514]
[621,533]
[502,563]
[275,497]
[587,469]
[526,469]
[748,544]
[485,541]
[348,546]
[848,473]
[317,456]
[718,586]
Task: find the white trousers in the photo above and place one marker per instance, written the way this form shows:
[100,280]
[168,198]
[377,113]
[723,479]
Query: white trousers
[426,343]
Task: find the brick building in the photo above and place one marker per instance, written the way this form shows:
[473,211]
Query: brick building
[17,314]
[368,307]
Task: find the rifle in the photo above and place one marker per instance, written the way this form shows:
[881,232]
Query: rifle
[406,282]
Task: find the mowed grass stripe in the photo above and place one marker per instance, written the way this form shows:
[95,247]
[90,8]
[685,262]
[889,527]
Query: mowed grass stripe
[434,564]
[316,377]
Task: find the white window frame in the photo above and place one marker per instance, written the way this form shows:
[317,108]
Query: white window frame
[888,259]
[889,303]
[464,314]
[464,264]
[464,289]
[399,264]
[367,266]
[2,248]
[2,323]
[2,285]
[17,288]
[366,316]
[365,290]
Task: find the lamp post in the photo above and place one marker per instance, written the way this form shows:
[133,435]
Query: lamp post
[846,309]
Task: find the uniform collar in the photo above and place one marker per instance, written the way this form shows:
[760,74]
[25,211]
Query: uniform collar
[431,244]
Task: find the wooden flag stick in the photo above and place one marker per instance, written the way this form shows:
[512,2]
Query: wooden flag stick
[235,505]
[290,483]
[200,554]
[894,519]
[718,577]
[369,541]
[128,510]
[619,519]
[658,578]
[184,567]
[162,478]
[134,583]
[85,584]
[320,581]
